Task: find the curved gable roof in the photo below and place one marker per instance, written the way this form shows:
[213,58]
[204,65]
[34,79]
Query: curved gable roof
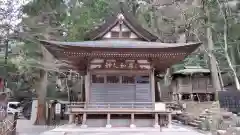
[129,20]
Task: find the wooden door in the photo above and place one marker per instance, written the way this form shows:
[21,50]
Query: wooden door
[120,91]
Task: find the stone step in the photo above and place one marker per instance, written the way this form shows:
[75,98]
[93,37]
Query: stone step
[202,116]
[197,121]
[194,124]
[202,119]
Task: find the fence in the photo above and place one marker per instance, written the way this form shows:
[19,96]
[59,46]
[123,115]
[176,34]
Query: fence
[230,100]
[8,126]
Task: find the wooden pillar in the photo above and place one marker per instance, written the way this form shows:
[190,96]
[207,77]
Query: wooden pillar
[192,97]
[81,87]
[108,121]
[159,89]
[84,121]
[87,88]
[174,98]
[152,80]
[71,119]
[132,121]
[208,97]
[156,125]
[179,96]
[169,120]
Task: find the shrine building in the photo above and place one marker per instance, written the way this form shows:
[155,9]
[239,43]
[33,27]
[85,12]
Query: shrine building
[119,61]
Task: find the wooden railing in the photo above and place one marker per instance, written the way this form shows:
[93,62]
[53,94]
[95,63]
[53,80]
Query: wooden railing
[140,105]
[119,105]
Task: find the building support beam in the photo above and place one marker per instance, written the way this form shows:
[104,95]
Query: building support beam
[173,98]
[108,121]
[192,97]
[132,121]
[71,119]
[169,120]
[87,87]
[152,81]
[179,97]
[156,125]
[84,121]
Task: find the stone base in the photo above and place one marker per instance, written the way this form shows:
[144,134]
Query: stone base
[84,126]
[156,126]
[108,126]
[132,126]
[169,125]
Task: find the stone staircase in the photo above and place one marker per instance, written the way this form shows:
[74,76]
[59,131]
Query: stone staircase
[196,108]
[206,112]
[213,119]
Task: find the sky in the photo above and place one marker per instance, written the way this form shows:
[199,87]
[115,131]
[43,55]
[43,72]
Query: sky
[8,13]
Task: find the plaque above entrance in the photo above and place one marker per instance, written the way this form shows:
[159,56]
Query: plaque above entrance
[120,64]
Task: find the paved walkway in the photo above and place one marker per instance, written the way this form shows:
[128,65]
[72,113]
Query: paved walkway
[25,127]
[76,130]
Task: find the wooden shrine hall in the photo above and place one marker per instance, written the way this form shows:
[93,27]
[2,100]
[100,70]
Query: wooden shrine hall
[119,60]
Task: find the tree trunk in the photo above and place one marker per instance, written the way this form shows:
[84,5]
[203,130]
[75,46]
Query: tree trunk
[230,63]
[212,59]
[41,93]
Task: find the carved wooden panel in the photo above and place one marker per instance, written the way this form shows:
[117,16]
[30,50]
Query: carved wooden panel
[121,64]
